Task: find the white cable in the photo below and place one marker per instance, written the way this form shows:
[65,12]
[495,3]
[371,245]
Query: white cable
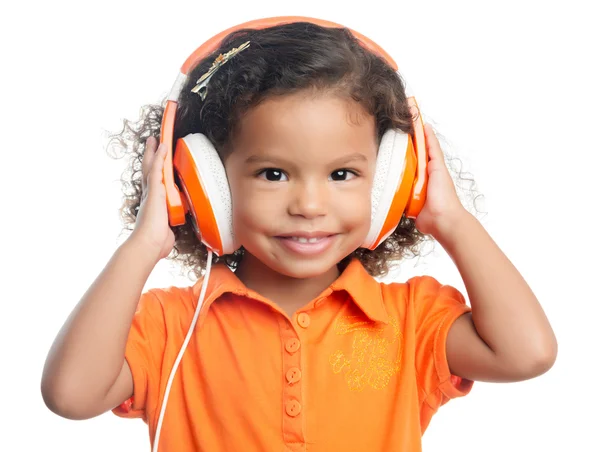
[183,347]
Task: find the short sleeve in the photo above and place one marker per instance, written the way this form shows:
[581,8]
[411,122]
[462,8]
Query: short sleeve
[144,350]
[436,307]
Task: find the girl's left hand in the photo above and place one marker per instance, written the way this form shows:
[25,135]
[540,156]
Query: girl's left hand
[442,207]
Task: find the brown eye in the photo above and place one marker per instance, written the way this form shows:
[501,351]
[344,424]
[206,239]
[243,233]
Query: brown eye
[342,175]
[273,175]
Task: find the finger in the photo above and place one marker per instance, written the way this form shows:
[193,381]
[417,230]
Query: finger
[155,176]
[433,145]
[147,159]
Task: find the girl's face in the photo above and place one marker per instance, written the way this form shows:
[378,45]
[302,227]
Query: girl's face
[300,175]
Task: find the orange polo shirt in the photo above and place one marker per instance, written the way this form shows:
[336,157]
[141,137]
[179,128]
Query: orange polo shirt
[360,368]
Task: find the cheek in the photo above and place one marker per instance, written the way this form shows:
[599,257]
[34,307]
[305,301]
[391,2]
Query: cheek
[250,209]
[355,211]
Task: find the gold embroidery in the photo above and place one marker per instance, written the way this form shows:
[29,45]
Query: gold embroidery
[369,362]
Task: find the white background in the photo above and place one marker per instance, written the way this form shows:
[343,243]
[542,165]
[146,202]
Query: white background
[512,86]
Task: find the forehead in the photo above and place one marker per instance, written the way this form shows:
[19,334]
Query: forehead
[306,123]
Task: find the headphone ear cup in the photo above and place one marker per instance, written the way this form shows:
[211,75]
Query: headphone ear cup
[203,181]
[394,175]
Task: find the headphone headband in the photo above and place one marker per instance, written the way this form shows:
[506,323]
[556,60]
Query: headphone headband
[258,24]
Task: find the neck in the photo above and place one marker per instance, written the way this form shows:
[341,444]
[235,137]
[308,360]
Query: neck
[289,293]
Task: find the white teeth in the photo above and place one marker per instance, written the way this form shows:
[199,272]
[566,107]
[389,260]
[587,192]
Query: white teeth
[305,240]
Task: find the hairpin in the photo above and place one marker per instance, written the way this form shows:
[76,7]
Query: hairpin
[202,82]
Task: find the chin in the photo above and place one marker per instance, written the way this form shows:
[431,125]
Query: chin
[303,268]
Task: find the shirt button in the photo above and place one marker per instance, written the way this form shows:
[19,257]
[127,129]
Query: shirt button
[303,320]
[293,375]
[293,408]
[292,345]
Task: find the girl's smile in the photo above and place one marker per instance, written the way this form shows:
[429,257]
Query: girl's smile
[307,243]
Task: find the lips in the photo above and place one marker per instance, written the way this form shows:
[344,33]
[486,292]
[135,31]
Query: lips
[306,235]
[307,243]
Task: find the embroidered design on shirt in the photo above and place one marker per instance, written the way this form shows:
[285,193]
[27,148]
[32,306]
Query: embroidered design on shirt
[375,355]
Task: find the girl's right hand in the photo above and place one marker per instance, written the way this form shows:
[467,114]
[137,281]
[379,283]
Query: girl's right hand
[152,230]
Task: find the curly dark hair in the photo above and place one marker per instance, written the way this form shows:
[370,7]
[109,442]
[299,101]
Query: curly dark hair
[281,60]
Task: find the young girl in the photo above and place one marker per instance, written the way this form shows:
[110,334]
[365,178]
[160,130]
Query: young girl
[299,348]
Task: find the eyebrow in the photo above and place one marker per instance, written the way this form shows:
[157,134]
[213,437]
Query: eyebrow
[254,159]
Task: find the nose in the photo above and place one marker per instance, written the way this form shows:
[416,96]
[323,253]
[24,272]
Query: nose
[308,199]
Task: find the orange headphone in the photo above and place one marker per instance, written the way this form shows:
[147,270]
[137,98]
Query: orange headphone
[399,185]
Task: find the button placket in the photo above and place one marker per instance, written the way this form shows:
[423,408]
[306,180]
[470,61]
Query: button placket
[291,397]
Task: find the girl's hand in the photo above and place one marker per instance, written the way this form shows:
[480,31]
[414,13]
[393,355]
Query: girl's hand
[152,230]
[442,207]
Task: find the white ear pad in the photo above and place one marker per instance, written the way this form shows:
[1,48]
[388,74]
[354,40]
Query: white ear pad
[388,170]
[215,184]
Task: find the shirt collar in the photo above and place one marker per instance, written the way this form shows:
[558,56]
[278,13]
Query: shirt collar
[364,290]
